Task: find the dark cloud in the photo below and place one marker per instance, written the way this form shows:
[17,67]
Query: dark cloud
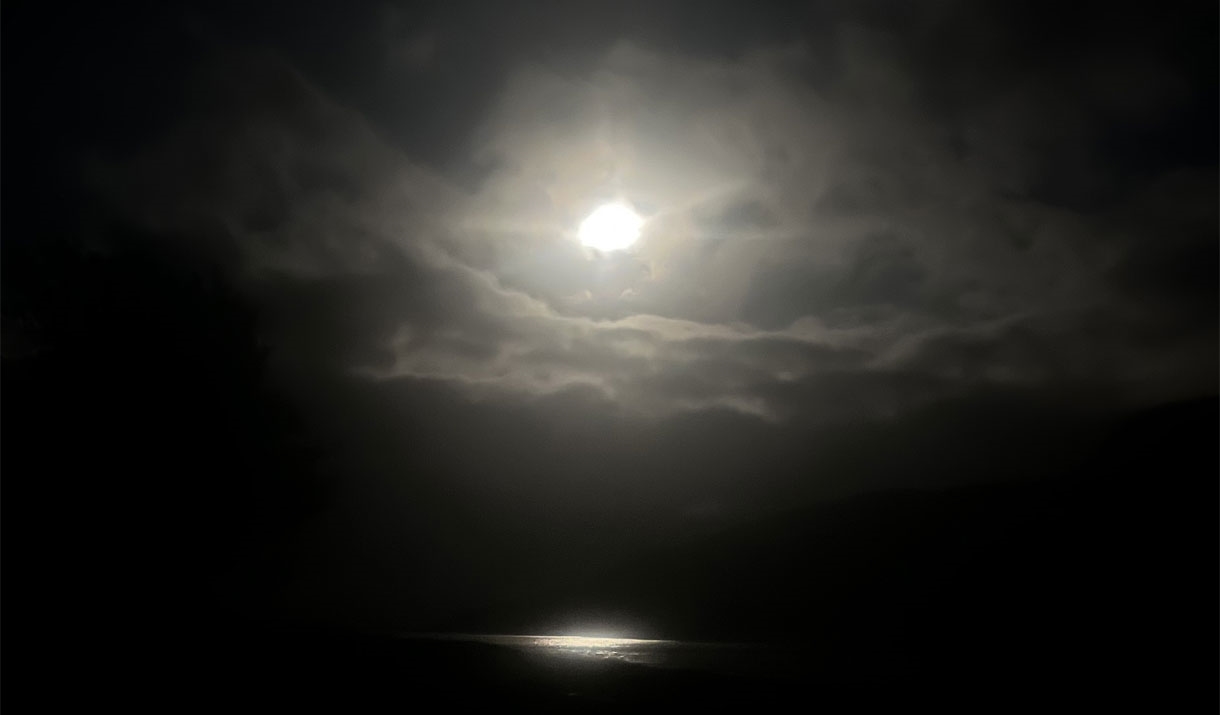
[898,200]
[870,230]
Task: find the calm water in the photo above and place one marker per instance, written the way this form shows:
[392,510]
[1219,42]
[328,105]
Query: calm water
[730,658]
[628,650]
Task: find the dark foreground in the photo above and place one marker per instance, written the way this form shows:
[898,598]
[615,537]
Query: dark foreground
[1094,592]
[330,673]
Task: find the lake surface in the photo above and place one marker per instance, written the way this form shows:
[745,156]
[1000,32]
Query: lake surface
[725,658]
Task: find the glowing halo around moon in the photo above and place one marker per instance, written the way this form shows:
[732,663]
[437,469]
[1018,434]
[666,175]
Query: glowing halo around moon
[611,227]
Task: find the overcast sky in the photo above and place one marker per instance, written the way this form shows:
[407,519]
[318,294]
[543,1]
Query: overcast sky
[885,244]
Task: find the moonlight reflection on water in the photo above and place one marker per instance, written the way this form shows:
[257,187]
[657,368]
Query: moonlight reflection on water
[724,658]
[628,650]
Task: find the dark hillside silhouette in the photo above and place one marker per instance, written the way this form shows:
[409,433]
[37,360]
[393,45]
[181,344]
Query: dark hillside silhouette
[152,476]
[1103,572]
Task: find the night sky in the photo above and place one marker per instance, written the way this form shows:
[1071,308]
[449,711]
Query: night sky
[921,326]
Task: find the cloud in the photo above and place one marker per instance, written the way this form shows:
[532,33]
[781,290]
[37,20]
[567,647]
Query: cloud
[882,248]
[836,210]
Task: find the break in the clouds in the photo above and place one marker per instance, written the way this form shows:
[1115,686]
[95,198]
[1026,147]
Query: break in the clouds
[836,225]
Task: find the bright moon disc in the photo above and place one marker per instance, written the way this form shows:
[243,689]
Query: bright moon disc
[611,227]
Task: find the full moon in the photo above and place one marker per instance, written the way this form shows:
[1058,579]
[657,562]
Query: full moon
[611,227]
